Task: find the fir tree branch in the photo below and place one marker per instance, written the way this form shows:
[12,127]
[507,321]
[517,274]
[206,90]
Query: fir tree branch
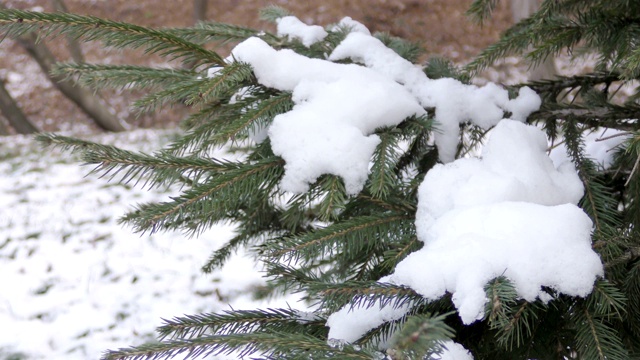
[422,336]
[260,221]
[393,256]
[631,287]
[205,32]
[410,51]
[15,23]
[195,91]
[213,200]
[627,257]
[203,124]
[333,199]
[518,327]
[481,10]
[598,201]
[514,41]
[324,241]
[502,297]
[238,322]
[156,170]
[273,344]
[606,300]
[273,12]
[382,177]
[259,117]
[362,294]
[121,76]
[595,339]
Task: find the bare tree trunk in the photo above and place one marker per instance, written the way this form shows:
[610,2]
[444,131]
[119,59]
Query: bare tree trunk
[90,104]
[11,111]
[74,47]
[199,14]
[521,9]
[199,10]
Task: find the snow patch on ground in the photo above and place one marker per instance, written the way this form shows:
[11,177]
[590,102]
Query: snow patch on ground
[74,282]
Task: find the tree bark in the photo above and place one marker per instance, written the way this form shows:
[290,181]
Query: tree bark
[74,47]
[521,9]
[90,104]
[12,112]
[199,10]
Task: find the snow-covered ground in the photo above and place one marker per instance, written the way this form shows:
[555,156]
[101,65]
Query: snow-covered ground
[73,282]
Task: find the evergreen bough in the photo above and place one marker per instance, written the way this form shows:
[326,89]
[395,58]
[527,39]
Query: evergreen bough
[332,247]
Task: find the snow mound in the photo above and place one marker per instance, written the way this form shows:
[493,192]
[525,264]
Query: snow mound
[337,108]
[532,245]
[514,167]
[510,213]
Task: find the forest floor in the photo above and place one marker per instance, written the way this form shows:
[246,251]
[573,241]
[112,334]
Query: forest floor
[74,282]
[440,26]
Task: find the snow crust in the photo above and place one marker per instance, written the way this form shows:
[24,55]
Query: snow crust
[292,27]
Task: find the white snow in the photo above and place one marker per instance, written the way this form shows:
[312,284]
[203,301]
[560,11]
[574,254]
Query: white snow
[531,244]
[351,323]
[452,351]
[513,167]
[454,102]
[352,25]
[337,108]
[292,27]
[74,283]
[510,213]
[599,146]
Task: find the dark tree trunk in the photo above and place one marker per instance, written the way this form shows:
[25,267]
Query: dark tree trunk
[89,103]
[199,10]
[521,9]
[74,47]
[11,111]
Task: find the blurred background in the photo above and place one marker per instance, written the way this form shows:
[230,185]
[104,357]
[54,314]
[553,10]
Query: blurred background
[440,26]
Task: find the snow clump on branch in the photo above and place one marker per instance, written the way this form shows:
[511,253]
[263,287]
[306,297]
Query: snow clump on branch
[510,213]
[338,107]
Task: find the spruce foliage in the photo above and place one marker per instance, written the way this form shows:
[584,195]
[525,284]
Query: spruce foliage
[331,247]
